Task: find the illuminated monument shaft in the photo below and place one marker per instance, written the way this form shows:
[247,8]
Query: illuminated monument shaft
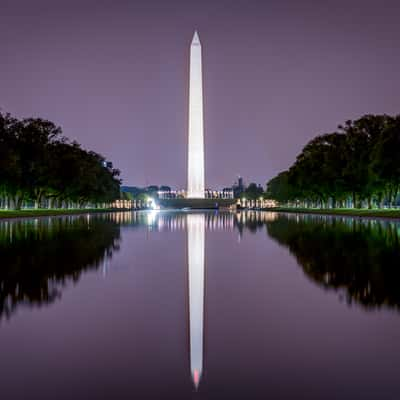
[196,132]
[196,234]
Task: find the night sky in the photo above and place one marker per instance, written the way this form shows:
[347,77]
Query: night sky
[114,75]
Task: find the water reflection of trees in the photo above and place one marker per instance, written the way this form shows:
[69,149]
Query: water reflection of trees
[358,258]
[253,221]
[39,257]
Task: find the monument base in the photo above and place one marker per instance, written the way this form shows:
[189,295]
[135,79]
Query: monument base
[196,204]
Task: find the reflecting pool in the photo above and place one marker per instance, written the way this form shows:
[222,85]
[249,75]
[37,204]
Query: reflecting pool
[208,305]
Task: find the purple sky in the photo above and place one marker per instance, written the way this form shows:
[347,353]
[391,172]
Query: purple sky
[114,75]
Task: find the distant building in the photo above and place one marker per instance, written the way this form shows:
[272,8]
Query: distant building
[171,194]
[238,187]
[226,193]
[107,164]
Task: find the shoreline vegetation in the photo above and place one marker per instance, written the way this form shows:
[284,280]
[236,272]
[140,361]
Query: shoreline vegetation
[341,212]
[34,213]
[356,167]
[42,169]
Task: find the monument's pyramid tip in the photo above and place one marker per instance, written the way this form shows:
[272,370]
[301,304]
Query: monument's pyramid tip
[196,39]
[196,378]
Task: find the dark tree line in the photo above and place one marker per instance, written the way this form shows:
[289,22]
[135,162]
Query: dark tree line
[252,192]
[358,166]
[40,168]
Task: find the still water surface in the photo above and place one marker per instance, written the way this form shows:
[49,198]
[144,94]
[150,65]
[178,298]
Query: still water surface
[164,305]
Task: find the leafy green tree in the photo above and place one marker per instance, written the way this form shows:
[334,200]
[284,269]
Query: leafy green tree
[357,165]
[38,165]
[253,191]
[385,162]
[280,189]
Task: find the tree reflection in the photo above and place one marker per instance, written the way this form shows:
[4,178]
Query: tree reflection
[358,258]
[39,257]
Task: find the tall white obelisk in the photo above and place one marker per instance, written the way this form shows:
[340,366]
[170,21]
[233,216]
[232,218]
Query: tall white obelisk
[195,187]
[196,242]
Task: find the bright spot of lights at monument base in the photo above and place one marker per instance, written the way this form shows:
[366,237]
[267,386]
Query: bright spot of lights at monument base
[152,204]
[151,217]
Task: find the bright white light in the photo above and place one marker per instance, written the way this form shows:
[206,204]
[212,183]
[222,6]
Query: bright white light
[196,132]
[151,217]
[151,203]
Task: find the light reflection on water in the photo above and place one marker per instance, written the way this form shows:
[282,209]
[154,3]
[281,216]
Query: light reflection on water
[248,310]
[196,241]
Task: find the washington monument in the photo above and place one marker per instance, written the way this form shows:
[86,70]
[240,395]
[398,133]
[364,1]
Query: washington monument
[195,187]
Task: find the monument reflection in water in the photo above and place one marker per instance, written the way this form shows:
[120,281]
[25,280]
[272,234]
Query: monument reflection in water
[195,240]
[312,298]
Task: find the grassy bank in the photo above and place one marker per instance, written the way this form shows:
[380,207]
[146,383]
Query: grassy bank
[351,212]
[5,214]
